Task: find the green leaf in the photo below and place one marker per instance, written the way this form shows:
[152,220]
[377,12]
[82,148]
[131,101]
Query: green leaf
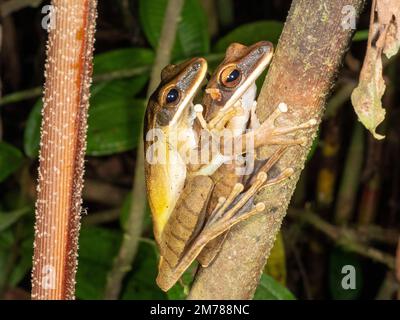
[6,242]
[105,95]
[141,282]
[97,249]
[117,60]
[10,160]
[250,33]
[367,96]
[181,289]
[192,36]
[114,126]
[270,289]
[32,130]
[7,250]
[338,259]
[24,264]
[276,266]
[121,59]
[361,35]
[7,219]
[115,118]
[314,147]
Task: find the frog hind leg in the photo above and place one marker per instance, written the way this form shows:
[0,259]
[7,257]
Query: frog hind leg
[183,225]
[218,224]
[210,251]
[237,207]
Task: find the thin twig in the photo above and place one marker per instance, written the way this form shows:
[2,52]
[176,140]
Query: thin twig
[107,76]
[123,261]
[345,237]
[63,144]
[101,217]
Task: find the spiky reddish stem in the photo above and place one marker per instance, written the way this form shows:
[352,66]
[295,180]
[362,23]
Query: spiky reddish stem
[63,143]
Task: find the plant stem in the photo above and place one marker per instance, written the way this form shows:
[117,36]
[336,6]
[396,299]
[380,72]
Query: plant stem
[123,261]
[307,58]
[345,237]
[350,181]
[107,76]
[63,144]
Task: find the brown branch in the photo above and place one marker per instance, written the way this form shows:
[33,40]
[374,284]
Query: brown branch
[127,252]
[347,238]
[378,234]
[307,58]
[63,144]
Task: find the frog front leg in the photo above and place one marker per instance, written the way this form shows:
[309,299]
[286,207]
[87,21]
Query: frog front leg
[218,123]
[268,133]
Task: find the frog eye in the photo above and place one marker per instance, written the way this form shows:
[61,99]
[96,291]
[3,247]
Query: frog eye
[172,96]
[230,76]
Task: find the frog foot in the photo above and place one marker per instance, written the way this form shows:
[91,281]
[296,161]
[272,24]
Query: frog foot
[239,206]
[218,123]
[269,134]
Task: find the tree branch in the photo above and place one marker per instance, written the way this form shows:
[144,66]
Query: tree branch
[307,58]
[345,237]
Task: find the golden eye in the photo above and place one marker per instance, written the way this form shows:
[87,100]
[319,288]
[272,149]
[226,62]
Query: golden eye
[230,77]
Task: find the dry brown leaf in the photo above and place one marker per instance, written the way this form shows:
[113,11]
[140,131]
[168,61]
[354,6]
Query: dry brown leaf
[388,14]
[384,36]
[367,97]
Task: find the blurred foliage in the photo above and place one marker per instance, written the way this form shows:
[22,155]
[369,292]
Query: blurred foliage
[192,37]
[270,289]
[276,266]
[10,160]
[117,104]
[251,33]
